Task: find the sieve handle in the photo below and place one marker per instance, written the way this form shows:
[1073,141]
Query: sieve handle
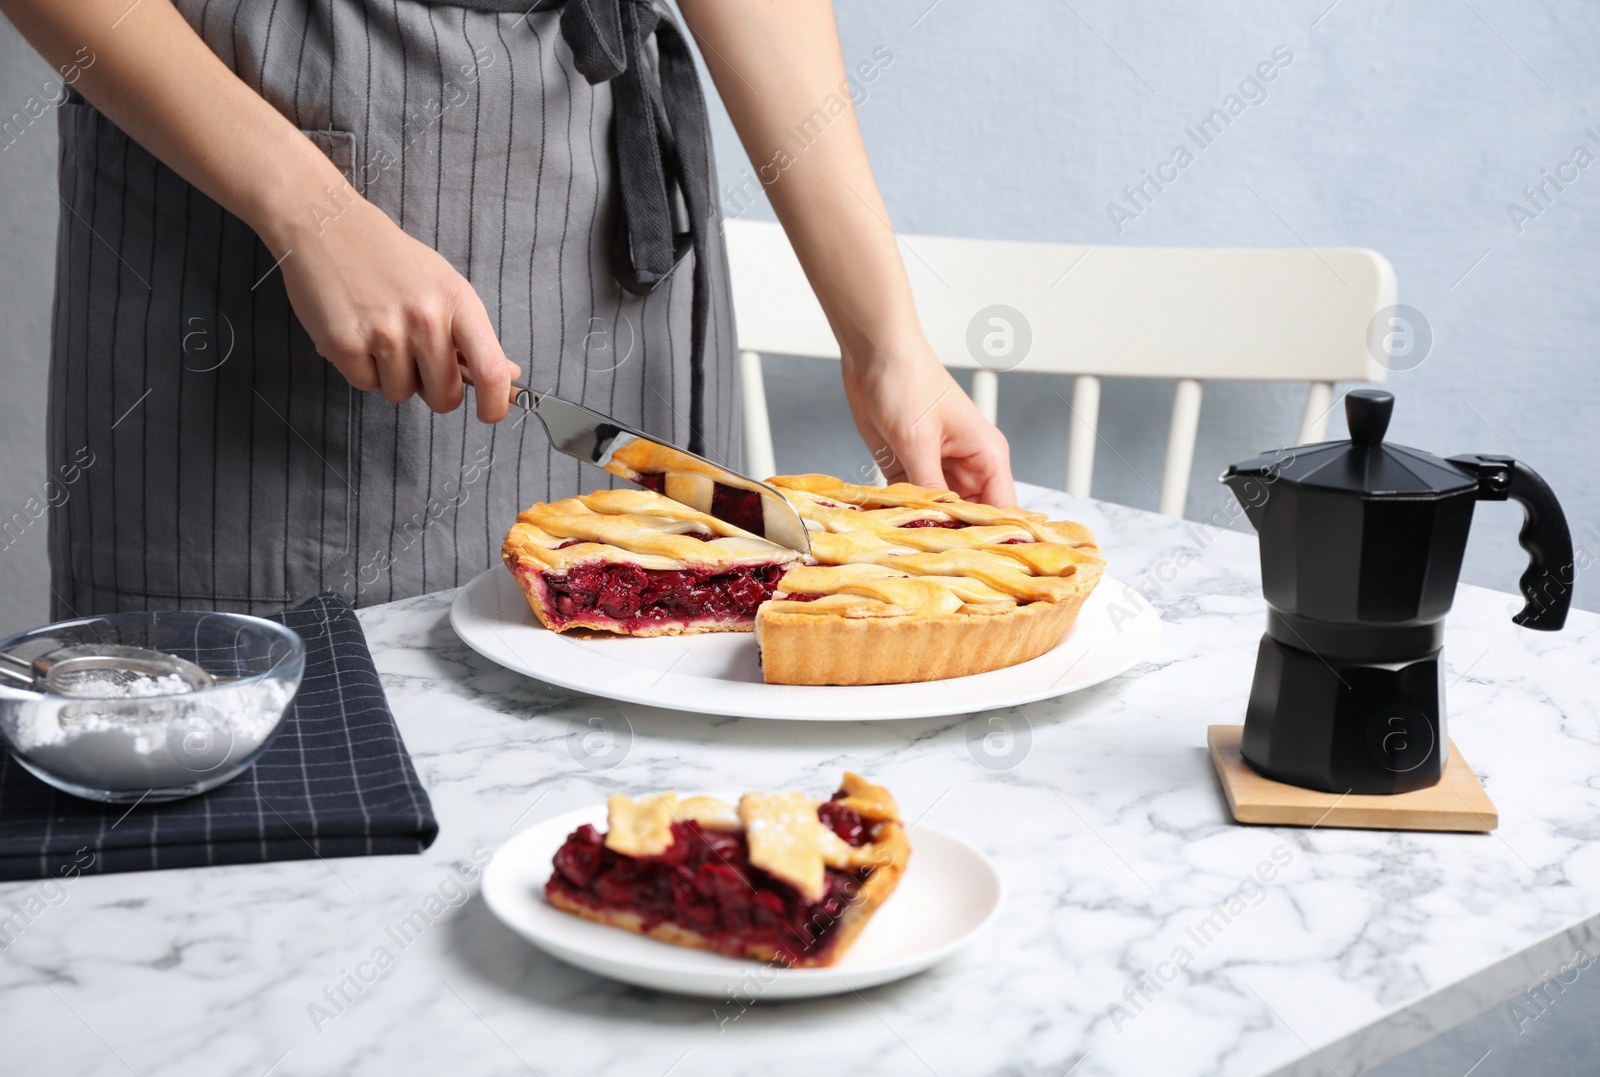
[16,672]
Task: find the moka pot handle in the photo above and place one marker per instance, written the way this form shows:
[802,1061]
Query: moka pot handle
[1547,584]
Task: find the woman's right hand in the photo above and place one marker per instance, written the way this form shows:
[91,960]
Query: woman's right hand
[390,312]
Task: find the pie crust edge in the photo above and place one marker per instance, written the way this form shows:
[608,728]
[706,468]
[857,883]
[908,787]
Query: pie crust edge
[798,648]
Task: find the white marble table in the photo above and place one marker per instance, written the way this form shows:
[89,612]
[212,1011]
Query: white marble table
[1108,827]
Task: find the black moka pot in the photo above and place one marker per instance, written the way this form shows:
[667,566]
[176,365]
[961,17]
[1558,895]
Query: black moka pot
[1361,544]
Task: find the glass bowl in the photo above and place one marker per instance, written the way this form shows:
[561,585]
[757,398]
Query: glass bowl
[122,749]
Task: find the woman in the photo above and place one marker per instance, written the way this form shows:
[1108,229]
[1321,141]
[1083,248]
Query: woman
[293,232]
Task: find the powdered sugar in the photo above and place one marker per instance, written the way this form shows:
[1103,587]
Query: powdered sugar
[164,738]
[121,684]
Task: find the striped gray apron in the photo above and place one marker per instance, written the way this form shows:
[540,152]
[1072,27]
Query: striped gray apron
[203,455]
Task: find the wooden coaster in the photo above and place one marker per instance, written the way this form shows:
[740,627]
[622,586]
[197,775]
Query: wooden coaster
[1457,802]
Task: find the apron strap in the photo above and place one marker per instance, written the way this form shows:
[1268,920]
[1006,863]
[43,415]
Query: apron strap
[660,139]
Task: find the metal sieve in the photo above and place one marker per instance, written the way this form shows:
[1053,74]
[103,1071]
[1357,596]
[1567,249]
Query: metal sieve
[96,670]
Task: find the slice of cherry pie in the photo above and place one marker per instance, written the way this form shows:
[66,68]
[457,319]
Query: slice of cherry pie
[640,564]
[779,877]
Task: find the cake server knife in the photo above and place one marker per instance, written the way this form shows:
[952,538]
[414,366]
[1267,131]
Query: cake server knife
[660,466]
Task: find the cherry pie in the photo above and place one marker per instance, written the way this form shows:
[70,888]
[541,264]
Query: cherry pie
[779,877]
[905,583]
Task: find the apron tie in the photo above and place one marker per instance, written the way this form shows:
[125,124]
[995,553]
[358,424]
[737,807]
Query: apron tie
[660,142]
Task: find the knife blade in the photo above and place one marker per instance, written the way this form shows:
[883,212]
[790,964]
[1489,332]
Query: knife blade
[683,476]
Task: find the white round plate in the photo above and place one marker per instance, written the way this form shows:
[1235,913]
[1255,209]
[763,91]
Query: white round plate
[949,893]
[718,672]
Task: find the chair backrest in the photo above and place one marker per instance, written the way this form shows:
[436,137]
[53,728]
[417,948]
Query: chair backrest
[1293,314]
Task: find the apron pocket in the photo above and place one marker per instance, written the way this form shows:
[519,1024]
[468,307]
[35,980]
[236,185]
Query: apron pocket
[339,147]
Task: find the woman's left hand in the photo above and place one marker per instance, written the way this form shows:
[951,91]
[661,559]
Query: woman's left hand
[921,427]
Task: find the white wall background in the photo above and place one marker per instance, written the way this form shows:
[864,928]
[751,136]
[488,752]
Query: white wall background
[1407,127]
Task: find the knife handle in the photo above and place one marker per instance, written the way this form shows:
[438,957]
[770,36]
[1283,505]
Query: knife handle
[521,396]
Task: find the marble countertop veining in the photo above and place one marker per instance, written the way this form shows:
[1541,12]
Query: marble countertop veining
[1334,949]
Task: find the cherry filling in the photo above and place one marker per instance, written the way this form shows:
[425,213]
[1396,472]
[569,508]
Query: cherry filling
[636,597]
[936,523]
[706,883]
[843,821]
[703,536]
[961,523]
[741,508]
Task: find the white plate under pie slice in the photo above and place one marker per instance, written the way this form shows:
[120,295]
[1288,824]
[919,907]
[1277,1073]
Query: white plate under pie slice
[718,673]
[949,893]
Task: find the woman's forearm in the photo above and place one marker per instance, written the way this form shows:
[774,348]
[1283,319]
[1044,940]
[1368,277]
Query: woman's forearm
[780,73]
[151,74]
[775,65]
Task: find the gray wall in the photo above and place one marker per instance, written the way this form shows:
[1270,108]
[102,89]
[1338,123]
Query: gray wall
[28,209]
[1407,127]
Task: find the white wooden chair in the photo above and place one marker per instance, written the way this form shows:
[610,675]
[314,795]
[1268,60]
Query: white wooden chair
[1292,314]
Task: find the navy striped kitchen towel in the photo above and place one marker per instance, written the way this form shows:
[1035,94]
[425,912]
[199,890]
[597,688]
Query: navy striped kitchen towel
[337,781]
